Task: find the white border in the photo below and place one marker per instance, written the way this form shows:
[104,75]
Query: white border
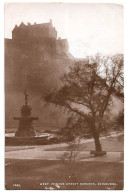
[2,178]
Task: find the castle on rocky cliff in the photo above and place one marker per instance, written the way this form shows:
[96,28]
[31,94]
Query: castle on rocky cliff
[35,59]
[44,34]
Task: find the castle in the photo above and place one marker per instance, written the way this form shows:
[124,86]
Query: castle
[44,34]
[35,59]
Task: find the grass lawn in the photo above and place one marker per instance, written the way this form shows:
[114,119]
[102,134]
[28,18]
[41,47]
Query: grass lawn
[43,174]
[110,144]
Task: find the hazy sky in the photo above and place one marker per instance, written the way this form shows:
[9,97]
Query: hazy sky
[89,28]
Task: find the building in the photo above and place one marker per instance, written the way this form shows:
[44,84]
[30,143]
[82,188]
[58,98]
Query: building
[34,31]
[44,34]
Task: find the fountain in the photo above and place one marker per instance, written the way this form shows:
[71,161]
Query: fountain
[25,128]
[25,134]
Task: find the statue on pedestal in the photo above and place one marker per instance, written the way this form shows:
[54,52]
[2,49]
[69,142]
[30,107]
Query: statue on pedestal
[25,128]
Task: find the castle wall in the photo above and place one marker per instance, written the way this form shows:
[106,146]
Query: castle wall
[36,32]
[39,37]
[61,46]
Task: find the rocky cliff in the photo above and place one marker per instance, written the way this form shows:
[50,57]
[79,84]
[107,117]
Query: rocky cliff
[37,67]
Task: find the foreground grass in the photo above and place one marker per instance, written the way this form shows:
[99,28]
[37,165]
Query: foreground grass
[31,174]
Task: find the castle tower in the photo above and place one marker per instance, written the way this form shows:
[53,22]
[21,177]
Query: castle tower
[25,128]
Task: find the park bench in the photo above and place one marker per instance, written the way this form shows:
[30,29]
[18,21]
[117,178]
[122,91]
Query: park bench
[98,153]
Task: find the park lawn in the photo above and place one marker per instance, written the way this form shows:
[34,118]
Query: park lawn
[89,175]
[109,144]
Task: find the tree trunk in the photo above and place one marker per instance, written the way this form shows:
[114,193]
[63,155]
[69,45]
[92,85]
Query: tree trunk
[98,147]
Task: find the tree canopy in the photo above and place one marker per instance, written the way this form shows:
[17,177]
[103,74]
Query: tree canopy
[87,93]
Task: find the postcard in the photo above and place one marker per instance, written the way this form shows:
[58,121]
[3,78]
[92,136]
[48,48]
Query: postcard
[64,98]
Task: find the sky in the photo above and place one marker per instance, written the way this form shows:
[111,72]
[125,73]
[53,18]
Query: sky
[89,28]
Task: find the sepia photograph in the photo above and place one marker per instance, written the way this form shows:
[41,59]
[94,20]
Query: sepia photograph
[64,96]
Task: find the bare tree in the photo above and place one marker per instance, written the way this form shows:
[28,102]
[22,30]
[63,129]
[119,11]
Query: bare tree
[69,159]
[87,93]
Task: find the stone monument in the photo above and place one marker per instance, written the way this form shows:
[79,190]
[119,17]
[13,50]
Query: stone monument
[25,128]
